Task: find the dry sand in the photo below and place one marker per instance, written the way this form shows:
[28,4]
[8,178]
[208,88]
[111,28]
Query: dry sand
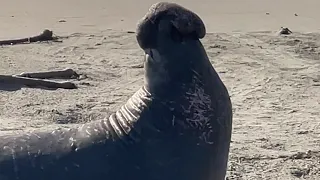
[274,81]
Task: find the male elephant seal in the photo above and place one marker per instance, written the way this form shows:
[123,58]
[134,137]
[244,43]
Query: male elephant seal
[176,127]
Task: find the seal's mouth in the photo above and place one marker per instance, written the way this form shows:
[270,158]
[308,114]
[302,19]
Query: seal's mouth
[148,54]
[152,55]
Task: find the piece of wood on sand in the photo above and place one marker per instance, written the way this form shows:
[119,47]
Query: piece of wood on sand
[61,74]
[46,35]
[284,31]
[34,82]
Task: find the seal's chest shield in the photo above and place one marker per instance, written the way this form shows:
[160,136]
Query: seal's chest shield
[193,112]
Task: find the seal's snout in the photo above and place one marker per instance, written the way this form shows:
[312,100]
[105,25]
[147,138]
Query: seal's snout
[172,19]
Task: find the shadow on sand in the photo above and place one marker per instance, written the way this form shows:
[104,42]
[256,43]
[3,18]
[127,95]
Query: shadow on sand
[16,87]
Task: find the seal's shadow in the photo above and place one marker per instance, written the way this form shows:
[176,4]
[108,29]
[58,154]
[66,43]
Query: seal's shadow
[16,87]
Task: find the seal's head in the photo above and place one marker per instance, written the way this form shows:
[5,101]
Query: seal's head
[171,19]
[169,34]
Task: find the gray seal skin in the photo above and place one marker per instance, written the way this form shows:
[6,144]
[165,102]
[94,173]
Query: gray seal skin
[176,127]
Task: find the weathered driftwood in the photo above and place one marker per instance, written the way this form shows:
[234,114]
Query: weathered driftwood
[33,82]
[46,35]
[62,74]
[284,31]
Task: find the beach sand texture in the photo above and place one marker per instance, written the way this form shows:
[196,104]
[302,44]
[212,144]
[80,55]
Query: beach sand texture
[273,81]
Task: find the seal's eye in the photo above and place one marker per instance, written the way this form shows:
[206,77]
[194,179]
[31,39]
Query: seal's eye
[176,35]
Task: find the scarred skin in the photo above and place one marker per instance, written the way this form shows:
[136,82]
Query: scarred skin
[176,127]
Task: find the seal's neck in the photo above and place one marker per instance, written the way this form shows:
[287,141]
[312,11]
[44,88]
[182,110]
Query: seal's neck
[169,81]
[165,79]
[168,69]
[166,85]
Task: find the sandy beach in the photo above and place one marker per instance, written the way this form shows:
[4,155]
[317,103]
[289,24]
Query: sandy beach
[273,81]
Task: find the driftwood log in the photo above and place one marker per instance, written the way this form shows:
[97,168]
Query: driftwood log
[62,74]
[46,35]
[284,31]
[32,82]
[39,79]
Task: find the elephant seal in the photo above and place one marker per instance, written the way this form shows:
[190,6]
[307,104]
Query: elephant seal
[176,127]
